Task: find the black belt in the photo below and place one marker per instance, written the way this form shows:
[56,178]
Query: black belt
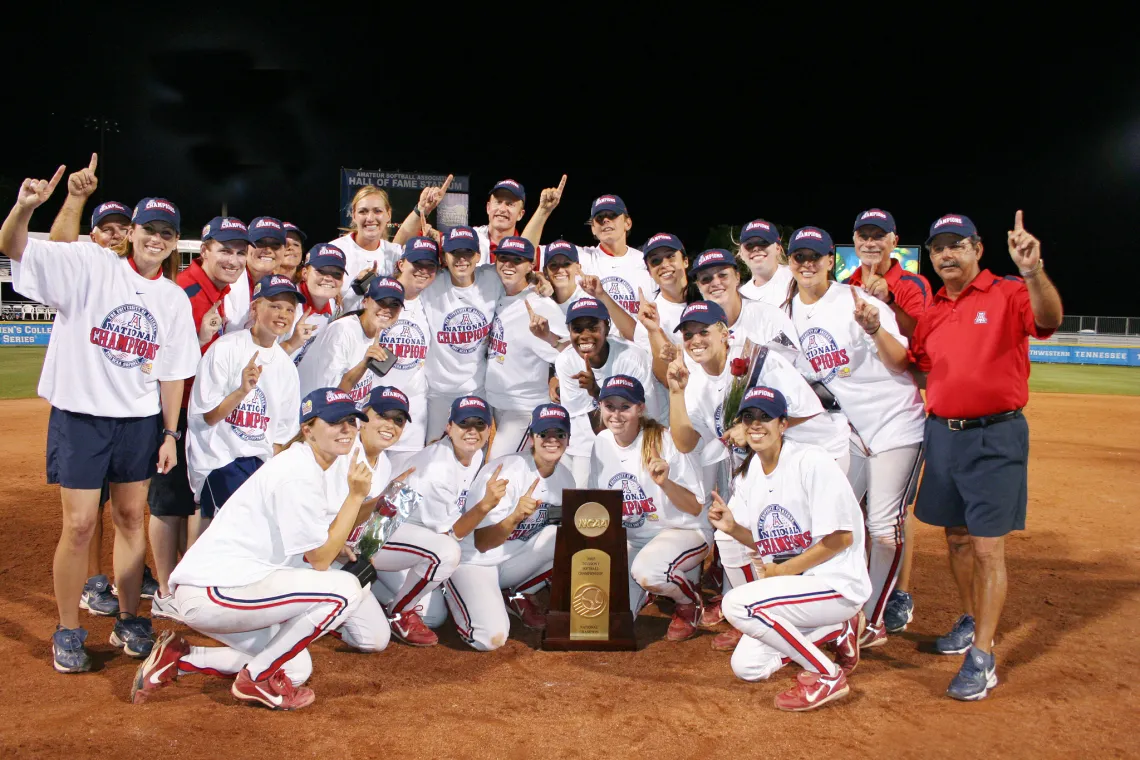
[977,422]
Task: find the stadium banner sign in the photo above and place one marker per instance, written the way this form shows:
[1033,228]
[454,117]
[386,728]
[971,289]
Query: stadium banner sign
[25,333]
[403,190]
[1052,353]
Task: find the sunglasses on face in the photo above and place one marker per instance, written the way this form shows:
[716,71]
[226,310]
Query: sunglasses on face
[472,423]
[704,278]
[803,257]
[749,418]
[753,247]
[395,416]
[561,435]
[606,216]
[331,272]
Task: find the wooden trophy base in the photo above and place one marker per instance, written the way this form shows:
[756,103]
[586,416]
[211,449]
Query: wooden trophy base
[557,635]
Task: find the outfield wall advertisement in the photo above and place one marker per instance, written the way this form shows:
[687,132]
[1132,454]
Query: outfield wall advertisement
[24,333]
[1052,353]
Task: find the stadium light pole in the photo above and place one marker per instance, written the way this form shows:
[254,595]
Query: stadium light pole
[103,126]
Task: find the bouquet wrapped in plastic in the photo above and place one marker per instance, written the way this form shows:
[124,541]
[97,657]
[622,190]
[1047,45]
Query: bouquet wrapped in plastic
[391,510]
[745,371]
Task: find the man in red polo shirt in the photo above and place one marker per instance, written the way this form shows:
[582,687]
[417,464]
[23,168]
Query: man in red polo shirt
[225,243]
[973,346]
[908,295]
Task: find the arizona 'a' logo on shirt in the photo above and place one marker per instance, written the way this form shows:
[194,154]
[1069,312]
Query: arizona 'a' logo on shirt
[779,533]
[621,291]
[497,346]
[980,319]
[249,421]
[406,340]
[636,507]
[463,329]
[825,355]
[529,528]
[128,336]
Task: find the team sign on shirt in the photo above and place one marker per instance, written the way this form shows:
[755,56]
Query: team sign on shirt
[128,337]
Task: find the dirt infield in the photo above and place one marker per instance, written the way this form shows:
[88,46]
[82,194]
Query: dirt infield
[1066,654]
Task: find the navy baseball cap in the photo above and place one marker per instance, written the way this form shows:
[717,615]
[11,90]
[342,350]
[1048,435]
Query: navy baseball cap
[224,229]
[266,227]
[274,285]
[705,312]
[759,229]
[385,287]
[157,210]
[511,186]
[421,249]
[713,257]
[768,400]
[663,240]
[459,238]
[549,416]
[876,217]
[518,247]
[612,203]
[561,248]
[290,227]
[812,238]
[331,405]
[586,307]
[109,208]
[385,398]
[955,224]
[466,407]
[629,388]
[325,255]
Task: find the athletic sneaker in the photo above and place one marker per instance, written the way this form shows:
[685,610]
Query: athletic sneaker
[899,612]
[812,690]
[160,668]
[975,678]
[134,636]
[67,650]
[276,692]
[727,641]
[872,637]
[713,615]
[683,626]
[409,628]
[959,640]
[97,598]
[149,585]
[525,608]
[165,607]
[846,647]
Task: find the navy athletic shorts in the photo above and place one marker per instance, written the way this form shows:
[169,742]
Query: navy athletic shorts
[222,482]
[170,494]
[85,451]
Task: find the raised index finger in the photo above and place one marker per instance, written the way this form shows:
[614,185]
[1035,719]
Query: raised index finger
[528,307]
[94,161]
[497,471]
[1018,224]
[562,184]
[534,485]
[252,360]
[55,180]
[446,184]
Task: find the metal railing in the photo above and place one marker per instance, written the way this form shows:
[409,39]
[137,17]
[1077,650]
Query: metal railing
[1073,323]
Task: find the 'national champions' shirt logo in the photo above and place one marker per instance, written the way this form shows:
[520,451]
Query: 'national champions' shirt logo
[407,341]
[463,329]
[529,528]
[778,533]
[249,421]
[128,336]
[825,355]
[621,291]
[636,507]
[497,346]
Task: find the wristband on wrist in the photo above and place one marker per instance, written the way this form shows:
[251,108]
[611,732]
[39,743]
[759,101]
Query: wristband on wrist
[872,332]
[1031,273]
[416,210]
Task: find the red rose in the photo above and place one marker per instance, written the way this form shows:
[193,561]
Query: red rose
[739,367]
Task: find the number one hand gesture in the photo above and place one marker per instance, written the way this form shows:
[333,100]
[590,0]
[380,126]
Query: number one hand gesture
[1024,249]
[34,192]
[82,183]
[866,315]
[551,196]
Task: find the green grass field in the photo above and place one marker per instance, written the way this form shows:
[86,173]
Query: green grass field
[20,370]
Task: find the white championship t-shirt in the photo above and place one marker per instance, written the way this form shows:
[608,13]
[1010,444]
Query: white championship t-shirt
[460,326]
[356,260]
[443,481]
[774,292]
[116,334]
[518,364]
[408,340]
[668,315]
[806,498]
[646,509]
[339,347]
[266,416]
[268,524]
[235,304]
[885,409]
[621,276]
[520,471]
[336,478]
[624,359]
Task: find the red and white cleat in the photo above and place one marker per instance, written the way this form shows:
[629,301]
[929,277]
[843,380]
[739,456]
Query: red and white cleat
[873,637]
[526,609]
[727,641]
[160,668]
[846,647]
[713,615]
[409,628]
[276,692]
[684,623]
[812,690]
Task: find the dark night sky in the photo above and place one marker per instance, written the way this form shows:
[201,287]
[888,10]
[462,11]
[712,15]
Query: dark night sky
[694,122]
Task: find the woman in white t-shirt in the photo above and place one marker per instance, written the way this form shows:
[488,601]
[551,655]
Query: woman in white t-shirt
[243,405]
[797,513]
[122,345]
[508,557]
[366,245]
[852,344]
[526,334]
[319,282]
[460,306]
[257,580]
[761,250]
[662,503]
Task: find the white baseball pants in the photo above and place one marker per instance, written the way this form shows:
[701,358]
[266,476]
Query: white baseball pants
[428,557]
[666,564]
[784,617]
[268,625]
[888,479]
[474,593]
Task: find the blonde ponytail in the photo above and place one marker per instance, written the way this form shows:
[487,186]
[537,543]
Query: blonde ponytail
[652,435]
